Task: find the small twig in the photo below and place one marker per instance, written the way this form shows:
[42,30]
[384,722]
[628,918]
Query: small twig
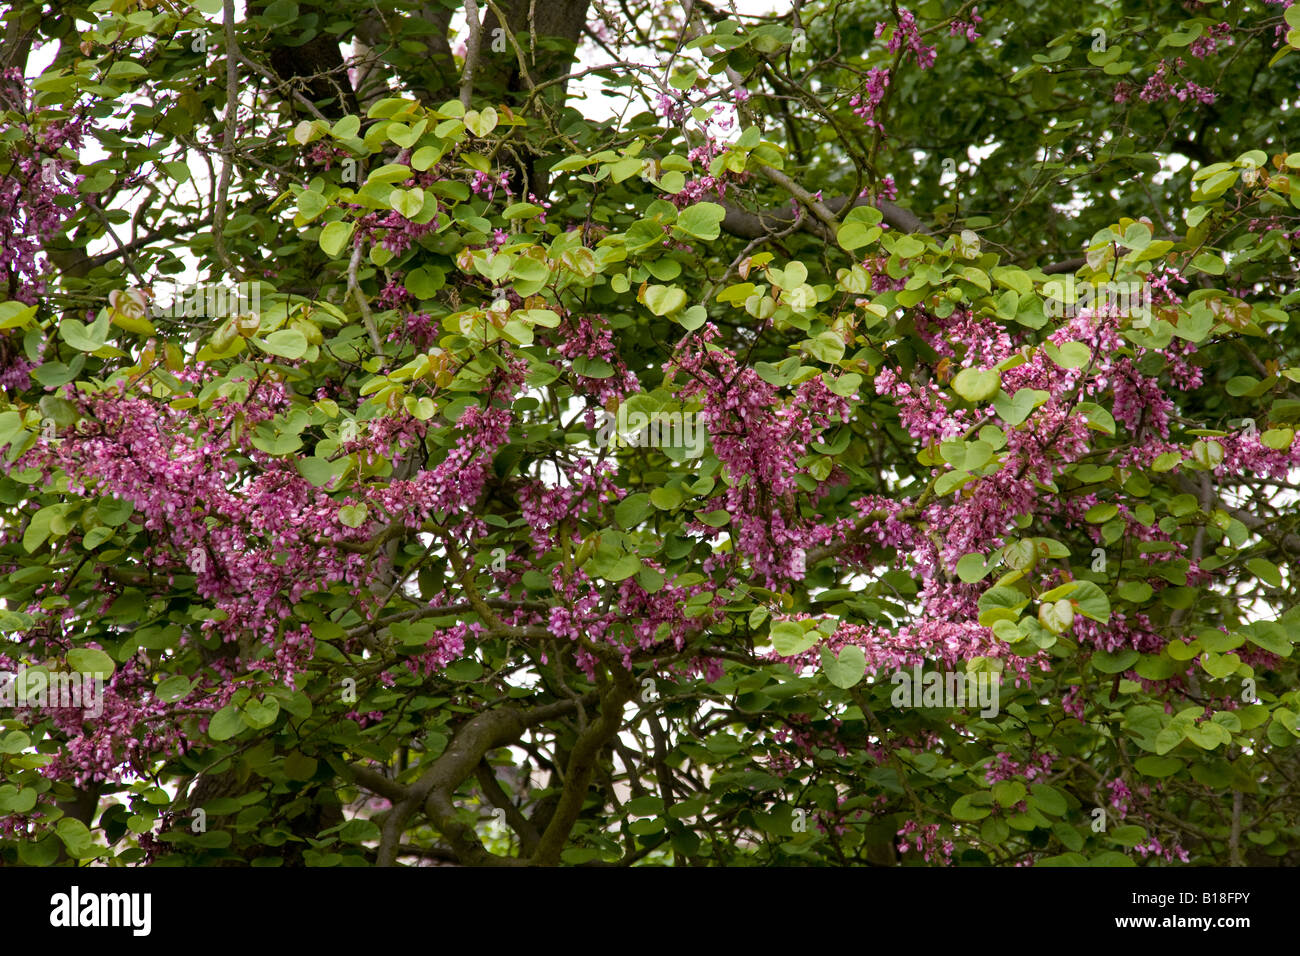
[367,319]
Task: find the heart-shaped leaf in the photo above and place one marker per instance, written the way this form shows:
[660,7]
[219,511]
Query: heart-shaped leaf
[977,384]
[847,669]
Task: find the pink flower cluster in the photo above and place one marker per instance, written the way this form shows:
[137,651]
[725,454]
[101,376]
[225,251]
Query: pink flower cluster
[925,840]
[1120,795]
[908,33]
[590,337]
[393,230]
[1004,768]
[759,437]
[959,27]
[324,154]
[1158,87]
[1208,42]
[672,107]
[36,177]
[486,185]
[873,92]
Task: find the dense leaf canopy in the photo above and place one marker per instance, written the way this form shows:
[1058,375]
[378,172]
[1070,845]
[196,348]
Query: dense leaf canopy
[441,462]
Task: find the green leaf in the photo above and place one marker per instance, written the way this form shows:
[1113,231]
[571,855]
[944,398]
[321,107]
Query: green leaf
[1266,571]
[407,203]
[976,384]
[615,568]
[632,510]
[972,568]
[664,299]
[1166,462]
[82,338]
[1069,355]
[318,471]
[827,347]
[789,638]
[1195,323]
[14,742]
[846,670]
[1207,454]
[1269,635]
[260,714]
[353,516]
[1135,591]
[906,247]
[225,723]
[625,169]
[359,831]
[973,806]
[88,660]
[693,318]
[1048,799]
[1056,616]
[612,559]
[1129,835]
[1239,385]
[1114,663]
[1156,667]
[994,830]
[38,529]
[334,236]
[76,838]
[389,173]
[481,122]
[666,499]
[1007,793]
[1016,409]
[310,205]
[14,313]
[174,688]
[114,511]
[1091,601]
[701,221]
[1208,262]
[1098,418]
[521,210]
[1279,439]
[1015,279]
[14,800]
[592,367]
[1101,512]
[1000,603]
[298,766]
[1152,766]
[286,343]
[855,235]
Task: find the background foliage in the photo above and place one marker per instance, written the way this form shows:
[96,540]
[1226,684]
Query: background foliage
[370,589]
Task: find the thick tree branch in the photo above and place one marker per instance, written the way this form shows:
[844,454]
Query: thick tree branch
[471,51]
[528,835]
[581,766]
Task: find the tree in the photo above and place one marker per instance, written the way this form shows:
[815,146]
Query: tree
[873,444]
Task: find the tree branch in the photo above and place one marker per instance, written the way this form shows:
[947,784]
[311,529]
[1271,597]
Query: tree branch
[471,51]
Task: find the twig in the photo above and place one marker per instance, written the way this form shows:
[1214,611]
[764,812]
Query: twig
[367,319]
